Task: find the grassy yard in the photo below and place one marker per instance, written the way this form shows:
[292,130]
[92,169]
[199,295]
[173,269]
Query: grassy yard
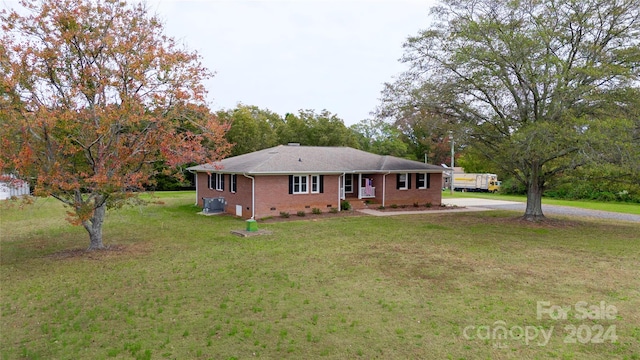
[620,207]
[178,285]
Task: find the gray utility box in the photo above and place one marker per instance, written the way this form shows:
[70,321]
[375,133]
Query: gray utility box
[213,205]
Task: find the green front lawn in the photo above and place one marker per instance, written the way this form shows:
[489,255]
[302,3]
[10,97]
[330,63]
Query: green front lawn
[180,286]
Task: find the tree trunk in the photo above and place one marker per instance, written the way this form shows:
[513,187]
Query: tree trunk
[533,212]
[94,227]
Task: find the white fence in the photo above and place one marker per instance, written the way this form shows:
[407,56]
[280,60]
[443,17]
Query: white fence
[12,188]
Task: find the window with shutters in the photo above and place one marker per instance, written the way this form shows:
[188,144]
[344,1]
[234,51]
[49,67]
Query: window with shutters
[305,184]
[422,180]
[233,183]
[216,181]
[315,184]
[300,184]
[403,182]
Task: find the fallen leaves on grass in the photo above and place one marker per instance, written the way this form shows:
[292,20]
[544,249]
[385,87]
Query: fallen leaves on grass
[102,254]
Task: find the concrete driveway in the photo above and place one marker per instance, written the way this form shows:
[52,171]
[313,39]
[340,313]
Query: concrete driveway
[478,203]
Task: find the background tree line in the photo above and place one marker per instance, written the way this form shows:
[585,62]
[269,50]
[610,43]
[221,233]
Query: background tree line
[412,133]
[251,128]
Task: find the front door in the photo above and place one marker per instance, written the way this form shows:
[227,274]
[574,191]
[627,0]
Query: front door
[346,185]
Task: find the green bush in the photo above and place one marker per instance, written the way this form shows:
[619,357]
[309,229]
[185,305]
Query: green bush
[284,214]
[512,187]
[599,184]
[301,213]
[589,190]
[316,211]
[345,205]
[333,210]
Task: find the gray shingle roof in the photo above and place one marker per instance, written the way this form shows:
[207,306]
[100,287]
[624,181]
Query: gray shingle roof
[292,159]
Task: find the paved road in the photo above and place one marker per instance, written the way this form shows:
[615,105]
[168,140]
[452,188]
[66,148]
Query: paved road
[547,209]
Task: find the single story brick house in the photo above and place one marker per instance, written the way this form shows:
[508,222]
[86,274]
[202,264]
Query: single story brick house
[292,178]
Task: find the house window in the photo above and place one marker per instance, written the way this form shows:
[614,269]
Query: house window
[348,183]
[233,183]
[315,184]
[300,184]
[216,181]
[423,180]
[402,181]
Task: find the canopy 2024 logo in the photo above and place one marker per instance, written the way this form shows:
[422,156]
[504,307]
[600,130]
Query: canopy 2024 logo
[501,334]
[582,310]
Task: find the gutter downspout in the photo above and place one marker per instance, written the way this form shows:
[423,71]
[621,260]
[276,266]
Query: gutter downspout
[340,189]
[384,187]
[253,195]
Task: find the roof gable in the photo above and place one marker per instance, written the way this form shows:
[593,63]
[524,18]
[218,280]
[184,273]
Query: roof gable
[293,159]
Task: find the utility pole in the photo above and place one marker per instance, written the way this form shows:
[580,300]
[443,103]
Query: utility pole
[452,160]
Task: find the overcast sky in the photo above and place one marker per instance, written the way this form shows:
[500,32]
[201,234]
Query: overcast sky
[291,55]
[286,55]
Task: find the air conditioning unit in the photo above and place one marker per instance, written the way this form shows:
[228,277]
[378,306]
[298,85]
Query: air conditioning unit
[213,205]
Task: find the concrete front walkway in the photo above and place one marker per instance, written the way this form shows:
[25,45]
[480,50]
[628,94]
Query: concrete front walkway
[461,204]
[374,212]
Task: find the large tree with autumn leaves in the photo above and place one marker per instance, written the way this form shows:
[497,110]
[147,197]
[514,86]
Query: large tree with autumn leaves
[93,96]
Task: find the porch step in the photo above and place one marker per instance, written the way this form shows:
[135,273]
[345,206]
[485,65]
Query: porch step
[359,204]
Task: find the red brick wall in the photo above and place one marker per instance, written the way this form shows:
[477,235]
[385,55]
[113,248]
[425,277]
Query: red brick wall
[272,192]
[431,195]
[241,197]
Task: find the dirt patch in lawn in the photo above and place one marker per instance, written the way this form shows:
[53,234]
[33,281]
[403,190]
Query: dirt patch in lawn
[108,252]
[547,223]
